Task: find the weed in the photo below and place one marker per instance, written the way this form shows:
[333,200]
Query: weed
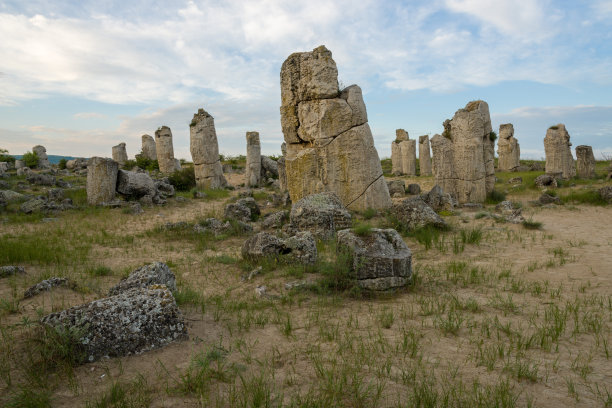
[531,224]
[495,197]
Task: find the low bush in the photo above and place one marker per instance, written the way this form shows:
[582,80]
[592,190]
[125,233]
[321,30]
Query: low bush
[183,179]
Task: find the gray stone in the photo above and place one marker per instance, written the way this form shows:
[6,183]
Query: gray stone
[606,193]
[275,220]
[269,167]
[47,285]
[101,180]
[131,322]
[262,245]
[413,189]
[19,164]
[546,181]
[34,205]
[253,160]
[41,179]
[381,260]
[302,247]
[414,213]
[396,187]
[43,160]
[509,212]
[55,194]
[548,199]
[120,154]
[165,150]
[322,214]
[557,146]
[164,187]
[508,149]
[585,162]
[424,156]
[9,195]
[245,209]
[439,200]
[204,149]
[148,147]
[133,184]
[156,273]
[10,270]
[515,180]
[282,174]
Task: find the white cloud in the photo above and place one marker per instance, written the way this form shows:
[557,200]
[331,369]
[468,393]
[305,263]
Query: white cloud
[89,115]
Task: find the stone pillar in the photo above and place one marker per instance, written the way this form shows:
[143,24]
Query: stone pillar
[463,155]
[329,142]
[120,154]
[148,148]
[253,159]
[585,162]
[282,173]
[424,156]
[408,153]
[19,164]
[43,160]
[101,180]
[557,146]
[397,167]
[165,150]
[205,151]
[508,149]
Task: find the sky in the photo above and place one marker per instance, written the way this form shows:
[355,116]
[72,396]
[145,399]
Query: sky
[81,76]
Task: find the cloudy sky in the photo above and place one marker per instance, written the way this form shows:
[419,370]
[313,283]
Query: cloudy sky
[82,76]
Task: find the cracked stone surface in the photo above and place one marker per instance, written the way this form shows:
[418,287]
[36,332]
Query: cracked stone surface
[424,156]
[329,142]
[557,146]
[585,162]
[463,157]
[204,149]
[165,150]
[508,149]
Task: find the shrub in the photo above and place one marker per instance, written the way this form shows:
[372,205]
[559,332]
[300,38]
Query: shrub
[4,157]
[30,159]
[530,224]
[62,164]
[492,136]
[183,179]
[362,229]
[495,197]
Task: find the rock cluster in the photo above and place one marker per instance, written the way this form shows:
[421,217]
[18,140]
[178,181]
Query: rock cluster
[585,162]
[329,142]
[508,149]
[424,156]
[120,154]
[245,210]
[557,146]
[165,150]
[149,150]
[140,315]
[463,157]
[205,151]
[253,159]
[380,260]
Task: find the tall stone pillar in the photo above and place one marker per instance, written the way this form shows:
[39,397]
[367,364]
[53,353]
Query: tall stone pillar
[408,152]
[165,150]
[557,146]
[253,159]
[205,151]
[43,160]
[508,149]
[101,180]
[282,173]
[120,154]
[148,148]
[585,162]
[424,156]
[397,167]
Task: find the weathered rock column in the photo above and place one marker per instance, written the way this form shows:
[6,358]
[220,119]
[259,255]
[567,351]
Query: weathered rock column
[329,142]
[397,166]
[120,154]
[508,149]
[165,150]
[557,146]
[253,159]
[585,162]
[282,173]
[148,147]
[205,151]
[43,160]
[424,156]
[408,152]
[463,155]
[101,180]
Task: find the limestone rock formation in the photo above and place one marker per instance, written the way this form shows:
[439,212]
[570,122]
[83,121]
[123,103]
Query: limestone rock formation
[253,159]
[585,162]
[205,151]
[408,156]
[414,213]
[397,166]
[148,147]
[245,210]
[120,154]
[508,149]
[557,146]
[101,180]
[397,188]
[46,285]
[133,321]
[136,185]
[322,214]
[329,143]
[381,260]
[156,273]
[424,156]
[463,157]
[43,160]
[282,172]
[19,164]
[165,150]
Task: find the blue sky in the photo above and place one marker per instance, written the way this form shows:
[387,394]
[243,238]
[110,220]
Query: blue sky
[82,76]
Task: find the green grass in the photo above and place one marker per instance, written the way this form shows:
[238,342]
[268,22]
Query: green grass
[591,197]
[134,394]
[50,248]
[495,197]
[532,225]
[100,271]
[362,229]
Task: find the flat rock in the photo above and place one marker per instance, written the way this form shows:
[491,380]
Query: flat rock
[414,213]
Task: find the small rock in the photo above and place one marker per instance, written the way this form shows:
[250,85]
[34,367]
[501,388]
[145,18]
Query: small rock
[11,270]
[515,180]
[156,273]
[252,274]
[414,213]
[47,285]
[413,189]
[548,199]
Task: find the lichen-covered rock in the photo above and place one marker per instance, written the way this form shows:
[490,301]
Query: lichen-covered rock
[413,189]
[165,150]
[149,150]
[10,270]
[41,179]
[120,154]
[275,220]
[585,162]
[397,188]
[414,213]
[269,167]
[19,164]
[424,156]
[302,247]
[381,260]
[156,273]
[606,193]
[131,322]
[253,160]
[9,195]
[515,180]
[262,245]
[322,214]
[131,183]
[508,149]
[557,146]
[33,206]
[463,157]
[329,143]
[437,199]
[101,180]
[43,160]
[548,199]
[509,212]
[47,285]
[245,209]
[164,187]
[546,181]
[282,174]
[204,149]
